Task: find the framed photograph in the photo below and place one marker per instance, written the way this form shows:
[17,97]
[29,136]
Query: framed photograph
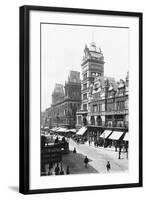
[80,99]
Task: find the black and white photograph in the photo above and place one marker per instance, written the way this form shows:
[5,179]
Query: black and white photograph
[84,99]
[82,95]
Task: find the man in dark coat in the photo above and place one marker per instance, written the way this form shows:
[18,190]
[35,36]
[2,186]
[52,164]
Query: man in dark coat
[108,166]
[57,170]
[86,160]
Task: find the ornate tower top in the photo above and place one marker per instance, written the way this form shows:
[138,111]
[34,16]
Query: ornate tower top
[93,46]
[91,53]
[58,89]
[58,93]
[74,77]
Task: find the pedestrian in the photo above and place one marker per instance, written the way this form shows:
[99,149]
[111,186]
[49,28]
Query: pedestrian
[57,169]
[119,153]
[61,171]
[127,154]
[108,166]
[74,151]
[95,143]
[86,160]
[63,140]
[78,141]
[56,140]
[116,146]
[67,170]
[89,142]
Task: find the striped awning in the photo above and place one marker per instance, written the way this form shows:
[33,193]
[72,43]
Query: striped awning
[116,135]
[105,134]
[81,131]
[126,137]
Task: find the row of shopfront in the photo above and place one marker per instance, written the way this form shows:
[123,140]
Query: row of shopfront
[99,136]
[104,137]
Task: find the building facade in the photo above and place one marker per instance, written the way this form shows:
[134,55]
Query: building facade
[66,100]
[104,103]
[95,101]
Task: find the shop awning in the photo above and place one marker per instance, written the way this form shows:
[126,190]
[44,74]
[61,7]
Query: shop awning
[55,129]
[126,137]
[71,130]
[46,127]
[81,131]
[115,135]
[61,130]
[105,134]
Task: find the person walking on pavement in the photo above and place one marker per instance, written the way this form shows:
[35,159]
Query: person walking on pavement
[74,151]
[86,160]
[61,171]
[119,153]
[108,166]
[57,169]
[67,170]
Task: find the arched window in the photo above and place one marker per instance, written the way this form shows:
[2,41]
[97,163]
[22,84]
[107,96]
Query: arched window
[92,120]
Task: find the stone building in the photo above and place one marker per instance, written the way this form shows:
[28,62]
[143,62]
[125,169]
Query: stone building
[66,101]
[97,102]
[104,103]
[92,66]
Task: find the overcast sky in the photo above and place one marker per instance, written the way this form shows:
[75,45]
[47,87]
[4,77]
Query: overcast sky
[62,50]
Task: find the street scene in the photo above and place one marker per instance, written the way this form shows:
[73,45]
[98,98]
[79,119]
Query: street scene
[84,109]
[73,159]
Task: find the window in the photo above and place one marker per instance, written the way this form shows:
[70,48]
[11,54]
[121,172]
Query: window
[84,106]
[84,76]
[110,107]
[126,104]
[85,96]
[121,91]
[79,120]
[94,108]
[120,105]
[93,74]
[99,107]
[85,86]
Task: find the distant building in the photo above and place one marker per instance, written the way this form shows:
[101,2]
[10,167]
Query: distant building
[66,100]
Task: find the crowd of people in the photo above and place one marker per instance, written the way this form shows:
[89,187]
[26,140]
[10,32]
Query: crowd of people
[57,169]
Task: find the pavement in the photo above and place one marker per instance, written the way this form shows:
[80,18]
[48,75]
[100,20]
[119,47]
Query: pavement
[99,157]
[75,161]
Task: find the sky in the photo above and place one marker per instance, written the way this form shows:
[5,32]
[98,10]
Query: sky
[62,50]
